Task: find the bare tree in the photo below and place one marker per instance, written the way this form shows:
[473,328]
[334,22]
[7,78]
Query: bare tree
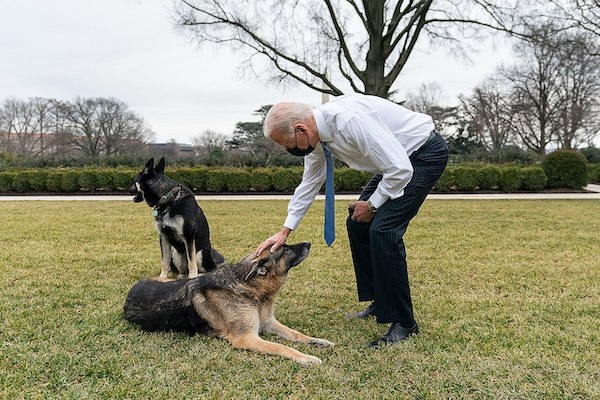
[425,98]
[122,130]
[83,119]
[535,89]
[332,45]
[555,89]
[208,142]
[490,111]
[579,115]
[19,121]
[582,15]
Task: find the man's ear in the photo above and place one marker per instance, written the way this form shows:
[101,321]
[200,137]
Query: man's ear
[160,167]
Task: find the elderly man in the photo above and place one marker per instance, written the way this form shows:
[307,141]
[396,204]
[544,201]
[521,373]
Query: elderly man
[406,155]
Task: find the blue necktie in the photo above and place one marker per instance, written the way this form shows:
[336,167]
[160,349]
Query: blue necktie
[329,232]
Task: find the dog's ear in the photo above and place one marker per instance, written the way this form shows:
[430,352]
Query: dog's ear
[149,166]
[258,268]
[160,167]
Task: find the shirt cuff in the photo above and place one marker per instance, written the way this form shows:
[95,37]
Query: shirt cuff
[378,199]
[291,222]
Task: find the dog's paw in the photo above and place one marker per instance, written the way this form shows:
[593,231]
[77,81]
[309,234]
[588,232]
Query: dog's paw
[307,360]
[321,342]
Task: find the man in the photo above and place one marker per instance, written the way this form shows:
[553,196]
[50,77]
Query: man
[406,155]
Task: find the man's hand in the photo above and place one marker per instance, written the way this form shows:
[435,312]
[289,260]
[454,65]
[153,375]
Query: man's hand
[361,212]
[275,241]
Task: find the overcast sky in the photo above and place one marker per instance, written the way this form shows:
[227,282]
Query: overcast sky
[129,49]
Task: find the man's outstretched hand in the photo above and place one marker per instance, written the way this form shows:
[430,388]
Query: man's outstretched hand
[274,242]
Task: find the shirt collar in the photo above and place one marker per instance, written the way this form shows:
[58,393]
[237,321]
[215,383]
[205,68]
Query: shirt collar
[322,127]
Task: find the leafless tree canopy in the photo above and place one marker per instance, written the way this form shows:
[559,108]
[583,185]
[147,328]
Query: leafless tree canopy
[86,126]
[580,15]
[360,45]
[208,142]
[490,112]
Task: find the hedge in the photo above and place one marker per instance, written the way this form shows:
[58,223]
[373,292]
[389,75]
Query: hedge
[280,179]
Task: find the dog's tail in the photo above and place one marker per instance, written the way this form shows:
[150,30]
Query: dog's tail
[216,256]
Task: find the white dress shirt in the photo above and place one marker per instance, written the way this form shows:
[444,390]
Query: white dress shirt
[369,134]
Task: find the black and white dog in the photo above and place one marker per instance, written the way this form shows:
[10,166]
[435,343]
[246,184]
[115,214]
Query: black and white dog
[184,234]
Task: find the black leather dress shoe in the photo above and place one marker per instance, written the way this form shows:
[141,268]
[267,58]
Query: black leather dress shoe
[396,334]
[366,313]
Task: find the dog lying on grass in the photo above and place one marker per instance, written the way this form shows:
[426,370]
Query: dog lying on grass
[233,302]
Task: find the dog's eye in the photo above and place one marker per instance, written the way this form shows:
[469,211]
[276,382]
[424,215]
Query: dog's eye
[261,271]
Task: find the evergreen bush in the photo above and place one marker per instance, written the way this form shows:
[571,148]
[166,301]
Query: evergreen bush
[6,179]
[123,179]
[489,177]
[350,179]
[20,182]
[87,179]
[510,179]
[446,181]
[565,168]
[70,181]
[237,180]
[286,179]
[261,179]
[467,178]
[54,181]
[216,180]
[534,179]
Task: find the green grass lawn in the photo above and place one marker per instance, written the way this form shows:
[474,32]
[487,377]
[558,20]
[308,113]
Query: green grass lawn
[506,294]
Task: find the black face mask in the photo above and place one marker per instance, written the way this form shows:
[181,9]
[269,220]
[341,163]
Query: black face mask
[296,151]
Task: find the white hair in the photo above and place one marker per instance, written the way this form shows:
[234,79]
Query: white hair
[282,117]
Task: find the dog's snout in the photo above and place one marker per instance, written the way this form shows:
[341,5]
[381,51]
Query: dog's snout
[133,189]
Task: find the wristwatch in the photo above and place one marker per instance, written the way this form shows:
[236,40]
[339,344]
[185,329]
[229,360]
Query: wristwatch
[371,206]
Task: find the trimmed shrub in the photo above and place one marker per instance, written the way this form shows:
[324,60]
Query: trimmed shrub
[216,180]
[54,181]
[534,179]
[21,182]
[6,179]
[237,180]
[70,181]
[566,169]
[104,180]
[489,177]
[350,179]
[87,180]
[446,181]
[37,181]
[510,179]
[199,177]
[467,178]
[286,179]
[261,179]
[596,173]
[123,179]
[184,176]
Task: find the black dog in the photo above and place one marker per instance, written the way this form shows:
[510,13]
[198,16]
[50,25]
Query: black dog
[184,234]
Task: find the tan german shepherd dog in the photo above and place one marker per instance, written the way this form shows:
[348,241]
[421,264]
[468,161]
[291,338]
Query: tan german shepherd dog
[233,302]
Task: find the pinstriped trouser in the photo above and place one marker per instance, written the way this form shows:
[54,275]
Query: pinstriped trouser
[377,247]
